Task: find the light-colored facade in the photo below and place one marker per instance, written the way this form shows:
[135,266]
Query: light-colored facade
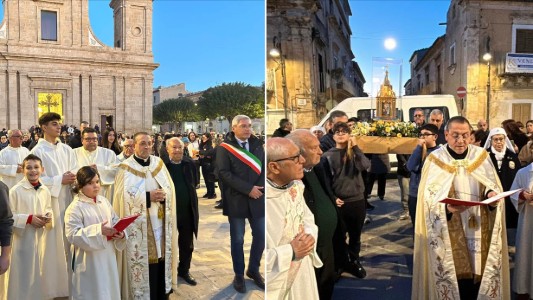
[162,93]
[316,57]
[475,28]
[51,61]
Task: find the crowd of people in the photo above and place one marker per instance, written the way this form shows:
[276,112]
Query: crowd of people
[64,200]
[319,182]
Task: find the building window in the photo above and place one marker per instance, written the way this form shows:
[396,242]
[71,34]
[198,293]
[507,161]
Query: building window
[48,25]
[524,41]
[452,54]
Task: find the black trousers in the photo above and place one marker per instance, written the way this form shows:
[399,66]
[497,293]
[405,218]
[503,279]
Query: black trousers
[411,203]
[197,165]
[156,272]
[382,182]
[353,215]
[325,276]
[185,242]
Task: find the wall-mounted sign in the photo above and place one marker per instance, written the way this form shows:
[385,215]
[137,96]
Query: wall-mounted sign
[519,63]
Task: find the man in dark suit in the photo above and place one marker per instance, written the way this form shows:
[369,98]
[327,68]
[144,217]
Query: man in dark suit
[240,169]
[184,173]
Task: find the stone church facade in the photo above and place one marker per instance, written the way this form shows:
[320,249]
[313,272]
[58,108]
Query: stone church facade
[50,60]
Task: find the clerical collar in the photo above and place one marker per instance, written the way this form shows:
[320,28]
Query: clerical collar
[308,170]
[175,162]
[281,187]
[456,155]
[143,162]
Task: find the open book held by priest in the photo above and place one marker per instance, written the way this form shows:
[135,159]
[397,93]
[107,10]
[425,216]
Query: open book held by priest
[487,201]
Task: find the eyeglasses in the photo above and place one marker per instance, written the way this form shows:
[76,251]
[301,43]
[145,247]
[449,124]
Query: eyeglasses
[457,137]
[295,159]
[342,132]
[418,116]
[498,140]
[91,139]
[425,134]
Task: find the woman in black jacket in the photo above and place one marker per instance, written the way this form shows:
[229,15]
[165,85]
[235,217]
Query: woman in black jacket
[206,152]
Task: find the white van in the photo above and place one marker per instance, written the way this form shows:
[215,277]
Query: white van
[364,108]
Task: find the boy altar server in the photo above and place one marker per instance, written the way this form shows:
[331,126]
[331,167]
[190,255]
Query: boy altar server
[38,264]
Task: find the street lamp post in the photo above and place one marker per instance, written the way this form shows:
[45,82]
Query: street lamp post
[487,57]
[276,52]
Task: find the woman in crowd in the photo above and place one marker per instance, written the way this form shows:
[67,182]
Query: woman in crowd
[344,165]
[506,162]
[206,162]
[110,141]
[529,128]
[514,134]
[89,223]
[64,137]
[318,131]
[193,148]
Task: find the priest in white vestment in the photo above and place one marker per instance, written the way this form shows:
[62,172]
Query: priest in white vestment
[11,159]
[103,159]
[460,252]
[38,264]
[89,221]
[144,186]
[523,202]
[291,231]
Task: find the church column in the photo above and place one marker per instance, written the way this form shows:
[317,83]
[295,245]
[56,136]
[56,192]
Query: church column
[12,100]
[27,105]
[4,113]
[84,98]
[75,105]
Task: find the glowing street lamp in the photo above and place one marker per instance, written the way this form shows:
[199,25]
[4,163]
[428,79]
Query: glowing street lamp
[276,53]
[488,57]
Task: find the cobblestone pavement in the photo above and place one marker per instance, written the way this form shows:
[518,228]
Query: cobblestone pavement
[386,253]
[211,262]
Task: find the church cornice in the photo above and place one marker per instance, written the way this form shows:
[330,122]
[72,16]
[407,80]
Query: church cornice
[80,61]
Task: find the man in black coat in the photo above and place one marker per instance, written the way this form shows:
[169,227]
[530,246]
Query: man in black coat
[6,228]
[285,127]
[184,173]
[320,199]
[240,169]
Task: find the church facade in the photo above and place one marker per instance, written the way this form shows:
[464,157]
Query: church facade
[50,60]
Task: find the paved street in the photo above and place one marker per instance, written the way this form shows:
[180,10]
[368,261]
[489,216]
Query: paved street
[211,263]
[386,253]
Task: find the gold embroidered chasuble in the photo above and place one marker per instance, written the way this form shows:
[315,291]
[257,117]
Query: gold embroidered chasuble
[131,184]
[472,244]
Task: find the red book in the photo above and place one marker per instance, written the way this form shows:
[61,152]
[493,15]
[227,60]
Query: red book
[490,200]
[124,223]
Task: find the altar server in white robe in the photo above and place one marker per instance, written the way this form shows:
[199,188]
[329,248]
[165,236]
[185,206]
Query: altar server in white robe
[291,231]
[89,222]
[104,160]
[59,162]
[38,264]
[523,202]
[11,159]
[148,266]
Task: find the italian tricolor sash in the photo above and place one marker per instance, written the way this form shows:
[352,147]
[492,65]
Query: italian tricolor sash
[245,156]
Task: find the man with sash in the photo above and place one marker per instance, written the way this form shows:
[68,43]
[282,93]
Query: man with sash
[147,268]
[102,159]
[460,252]
[240,168]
